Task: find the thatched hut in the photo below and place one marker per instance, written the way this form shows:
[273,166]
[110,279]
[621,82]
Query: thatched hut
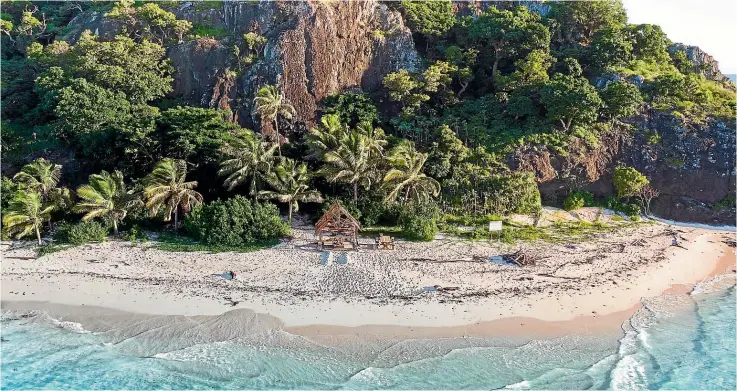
[339,225]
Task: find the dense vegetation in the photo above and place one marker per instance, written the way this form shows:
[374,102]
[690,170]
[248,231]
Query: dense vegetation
[489,84]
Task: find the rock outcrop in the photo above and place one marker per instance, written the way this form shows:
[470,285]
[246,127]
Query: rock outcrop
[315,49]
[692,166]
[703,62]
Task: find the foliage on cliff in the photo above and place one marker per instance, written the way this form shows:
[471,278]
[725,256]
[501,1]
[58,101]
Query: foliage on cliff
[441,132]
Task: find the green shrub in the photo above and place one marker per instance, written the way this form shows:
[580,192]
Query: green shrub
[234,222]
[578,199]
[51,248]
[204,31]
[512,193]
[81,233]
[133,233]
[420,222]
[373,211]
[628,181]
[573,201]
[630,209]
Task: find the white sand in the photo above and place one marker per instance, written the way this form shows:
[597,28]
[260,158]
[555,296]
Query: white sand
[605,275]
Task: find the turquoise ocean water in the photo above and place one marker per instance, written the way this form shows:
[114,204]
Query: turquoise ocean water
[678,342]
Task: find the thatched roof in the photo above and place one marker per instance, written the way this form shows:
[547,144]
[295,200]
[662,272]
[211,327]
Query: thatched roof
[337,220]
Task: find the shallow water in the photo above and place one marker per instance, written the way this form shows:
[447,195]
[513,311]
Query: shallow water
[676,342]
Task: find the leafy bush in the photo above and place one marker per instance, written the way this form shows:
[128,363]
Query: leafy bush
[419,222]
[81,233]
[374,211]
[573,201]
[628,181]
[578,199]
[133,233]
[632,210]
[234,222]
[512,193]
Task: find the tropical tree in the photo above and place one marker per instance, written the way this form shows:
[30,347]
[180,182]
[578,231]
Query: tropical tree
[406,176]
[289,183]
[326,136]
[621,100]
[106,196]
[270,104]
[352,162]
[376,138]
[26,213]
[509,35]
[249,160]
[43,176]
[39,175]
[166,188]
[570,100]
[628,181]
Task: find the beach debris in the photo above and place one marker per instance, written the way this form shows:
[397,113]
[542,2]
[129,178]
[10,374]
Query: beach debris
[229,275]
[438,288]
[229,301]
[639,242]
[500,260]
[675,243]
[519,258]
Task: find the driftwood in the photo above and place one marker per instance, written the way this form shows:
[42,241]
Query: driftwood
[639,242]
[520,258]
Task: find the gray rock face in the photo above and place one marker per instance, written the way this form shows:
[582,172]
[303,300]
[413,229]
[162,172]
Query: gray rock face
[603,81]
[703,62]
[693,166]
[314,49]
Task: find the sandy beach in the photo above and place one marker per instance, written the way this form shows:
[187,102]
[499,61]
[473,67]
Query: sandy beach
[588,287]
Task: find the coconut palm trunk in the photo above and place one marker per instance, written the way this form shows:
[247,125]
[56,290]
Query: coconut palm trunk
[176,219]
[115,227]
[355,193]
[276,129]
[38,235]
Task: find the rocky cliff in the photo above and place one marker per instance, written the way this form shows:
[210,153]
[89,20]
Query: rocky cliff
[316,48]
[703,62]
[693,167]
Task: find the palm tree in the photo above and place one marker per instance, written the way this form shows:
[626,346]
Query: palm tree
[327,136]
[406,175]
[106,196]
[249,160]
[165,187]
[351,163]
[289,182]
[40,175]
[376,136]
[26,213]
[43,176]
[270,104]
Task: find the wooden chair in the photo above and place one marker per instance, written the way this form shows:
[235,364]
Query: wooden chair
[386,242]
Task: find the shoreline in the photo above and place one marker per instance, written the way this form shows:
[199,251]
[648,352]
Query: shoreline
[600,309]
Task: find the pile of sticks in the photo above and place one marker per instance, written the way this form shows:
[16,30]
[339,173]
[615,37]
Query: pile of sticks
[520,258]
